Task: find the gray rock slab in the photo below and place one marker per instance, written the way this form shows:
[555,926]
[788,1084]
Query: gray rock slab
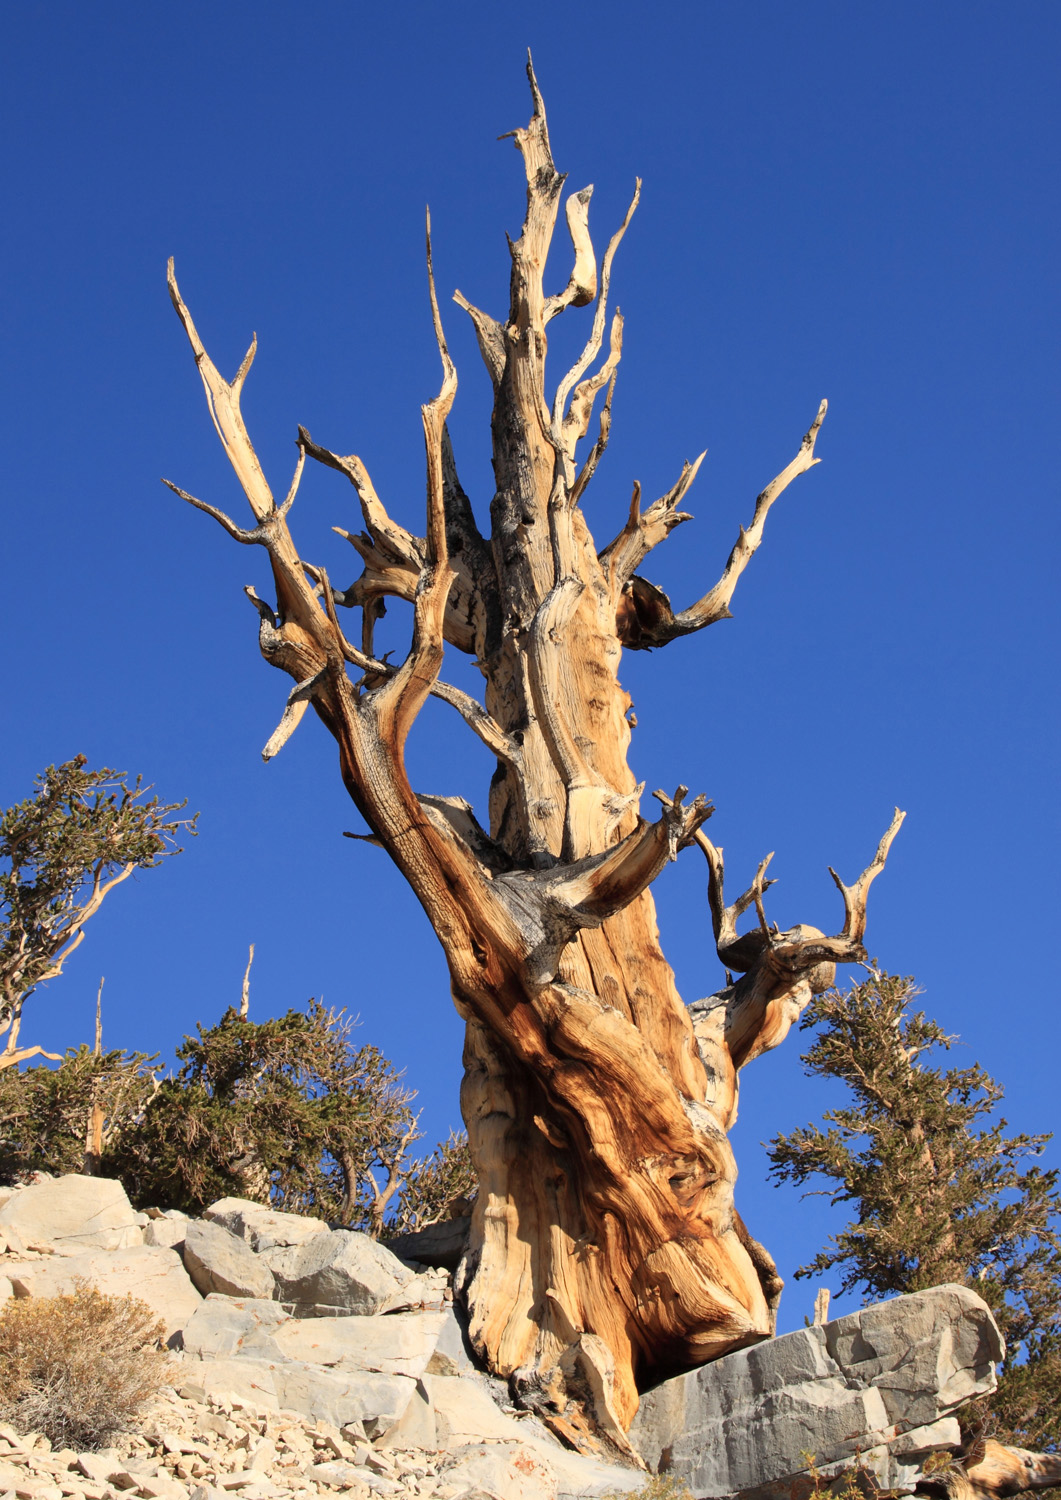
[398,1344]
[335,1396]
[504,1471]
[168,1231]
[415,1428]
[927,1354]
[263,1228]
[233,1328]
[466,1414]
[340,1273]
[739,1424]
[219,1261]
[73,1212]
[439,1245]
[153,1274]
[452,1354]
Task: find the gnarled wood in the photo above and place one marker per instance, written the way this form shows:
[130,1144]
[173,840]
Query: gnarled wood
[993,1471]
[606,1248]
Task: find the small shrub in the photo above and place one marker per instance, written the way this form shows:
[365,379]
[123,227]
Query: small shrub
[656,1487]
[78,1368]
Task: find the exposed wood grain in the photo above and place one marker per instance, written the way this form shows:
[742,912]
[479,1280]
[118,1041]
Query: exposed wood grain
[606,1248]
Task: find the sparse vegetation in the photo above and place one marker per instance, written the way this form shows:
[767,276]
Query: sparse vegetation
[62,851]
[656,1487]
[439,1186]
[78,1368]
[286,1111]
[43,1111]
[940,1191]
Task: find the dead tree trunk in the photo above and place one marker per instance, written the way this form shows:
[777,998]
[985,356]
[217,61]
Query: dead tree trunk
[606,1247]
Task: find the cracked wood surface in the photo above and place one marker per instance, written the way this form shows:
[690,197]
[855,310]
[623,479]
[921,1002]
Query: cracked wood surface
[606,1248]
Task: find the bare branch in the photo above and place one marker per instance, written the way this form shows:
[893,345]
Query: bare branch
[289,499]
[544,182]
[11,1059]
[434,415]
[604,883]
[265,611]
[478,720]
[596,338]
[646,529]
[491,337]
[223,400]
[732,949]
[647,619]
[349,652]
[464,533]
[240,533]
[295,599]
[75,933]
[406,691]
[593,458]
[396,1174]
[245,995]
[552,905]
[393,540]
[473,713]
[682,823]
[576,423]
[781,970]
[582,287]
[298,700]
[98,1043]
[855,895]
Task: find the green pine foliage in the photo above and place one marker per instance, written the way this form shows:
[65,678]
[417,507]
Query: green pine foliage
[61,852]
[44,1111]
[939,1191]
[234,1121]
[287,1111]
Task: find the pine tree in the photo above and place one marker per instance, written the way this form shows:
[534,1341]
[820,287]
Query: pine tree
[940,1191]
[286,1111]
[62,851]
[44,1111]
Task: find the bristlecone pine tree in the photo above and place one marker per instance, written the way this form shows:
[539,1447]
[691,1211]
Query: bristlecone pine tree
[940,1191]
[286,1111]
[606,1249]
[62,852]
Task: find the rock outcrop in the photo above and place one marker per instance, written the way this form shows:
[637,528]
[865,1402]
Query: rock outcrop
[263,1228]
[71,1213]
[191,1449]
[152,1273]
[219,1261]
[342,1273]
[322,1361]
[880,1384]
[440,1244]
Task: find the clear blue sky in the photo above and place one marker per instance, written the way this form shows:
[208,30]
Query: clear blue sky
[852,201]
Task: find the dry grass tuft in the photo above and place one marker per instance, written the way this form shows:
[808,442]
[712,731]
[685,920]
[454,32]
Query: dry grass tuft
[78,1368]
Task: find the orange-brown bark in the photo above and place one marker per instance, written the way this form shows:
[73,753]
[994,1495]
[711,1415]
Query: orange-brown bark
[606,1247]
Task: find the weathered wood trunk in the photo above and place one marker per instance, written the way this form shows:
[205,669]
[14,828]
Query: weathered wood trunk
[606,1246]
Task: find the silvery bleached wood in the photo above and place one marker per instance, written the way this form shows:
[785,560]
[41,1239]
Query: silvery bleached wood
[606,1248]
